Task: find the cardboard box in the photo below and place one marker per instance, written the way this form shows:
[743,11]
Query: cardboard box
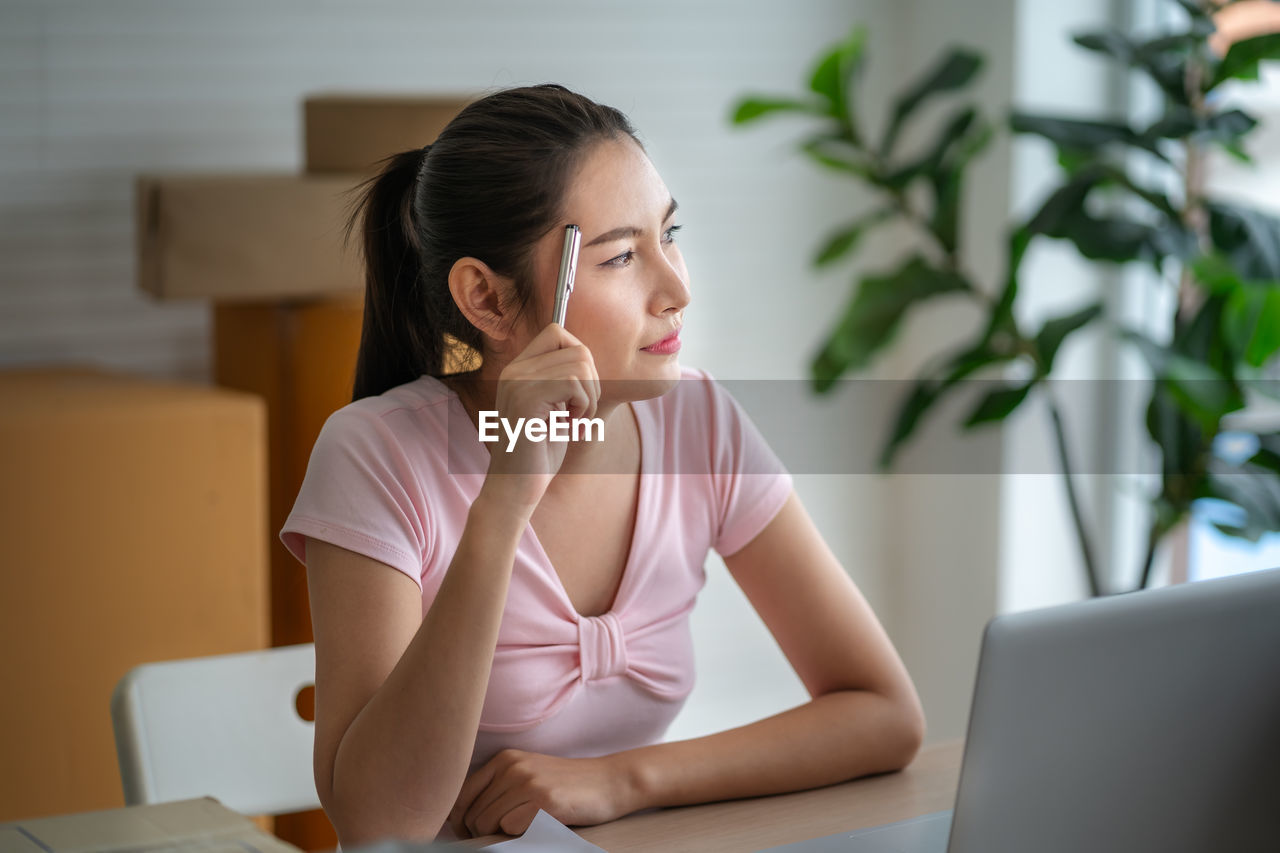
[300,359]
[351,133]
[202,824]
[133,516]
[246,237]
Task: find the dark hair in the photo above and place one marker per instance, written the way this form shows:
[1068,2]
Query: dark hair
[489,187]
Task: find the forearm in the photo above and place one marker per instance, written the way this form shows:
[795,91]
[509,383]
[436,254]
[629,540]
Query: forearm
[403,759]
[835,737]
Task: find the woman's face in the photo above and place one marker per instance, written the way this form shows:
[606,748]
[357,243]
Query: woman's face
[631,286]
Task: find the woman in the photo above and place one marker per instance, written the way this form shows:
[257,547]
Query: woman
[501,629]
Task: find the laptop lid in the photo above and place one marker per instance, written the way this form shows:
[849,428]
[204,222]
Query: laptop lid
[1140,722]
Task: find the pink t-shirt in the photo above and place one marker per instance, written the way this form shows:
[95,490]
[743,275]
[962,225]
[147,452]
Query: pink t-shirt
[392,477]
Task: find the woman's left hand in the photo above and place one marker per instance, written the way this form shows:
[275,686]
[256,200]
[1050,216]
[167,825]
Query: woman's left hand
[505,794]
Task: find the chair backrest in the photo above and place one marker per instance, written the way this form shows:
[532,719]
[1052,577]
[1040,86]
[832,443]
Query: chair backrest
[225,726]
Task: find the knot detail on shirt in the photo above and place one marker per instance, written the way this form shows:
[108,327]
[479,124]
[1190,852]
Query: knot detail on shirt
[602,647]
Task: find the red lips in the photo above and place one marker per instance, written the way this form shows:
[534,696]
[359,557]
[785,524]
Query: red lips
[666,346]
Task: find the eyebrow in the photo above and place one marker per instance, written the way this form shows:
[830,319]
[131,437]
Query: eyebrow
[627,230]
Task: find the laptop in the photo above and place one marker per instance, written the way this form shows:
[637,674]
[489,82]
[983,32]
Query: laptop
[1141,722]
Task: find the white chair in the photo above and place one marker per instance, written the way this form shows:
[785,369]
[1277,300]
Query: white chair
[225,726]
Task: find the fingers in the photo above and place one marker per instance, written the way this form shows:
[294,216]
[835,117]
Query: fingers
[556,374]
[516,821]
[499,797]
[500,814]
[476,816]
[555,387]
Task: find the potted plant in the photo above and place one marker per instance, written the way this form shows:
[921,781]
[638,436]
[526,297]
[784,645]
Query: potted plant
[1221,258]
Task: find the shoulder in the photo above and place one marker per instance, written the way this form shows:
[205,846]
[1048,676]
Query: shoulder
[694,424]
[405,414]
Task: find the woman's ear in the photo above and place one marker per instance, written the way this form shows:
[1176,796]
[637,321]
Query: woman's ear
[482,296]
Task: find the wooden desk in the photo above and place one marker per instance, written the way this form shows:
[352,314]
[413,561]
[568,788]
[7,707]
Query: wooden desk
[928,785]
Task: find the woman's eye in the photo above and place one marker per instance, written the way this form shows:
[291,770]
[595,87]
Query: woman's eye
[621,260]
[669,236]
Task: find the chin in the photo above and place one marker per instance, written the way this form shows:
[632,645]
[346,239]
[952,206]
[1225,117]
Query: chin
[654,384]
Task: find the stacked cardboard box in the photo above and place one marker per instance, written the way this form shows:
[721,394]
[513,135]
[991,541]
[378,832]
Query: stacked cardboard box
[134,526]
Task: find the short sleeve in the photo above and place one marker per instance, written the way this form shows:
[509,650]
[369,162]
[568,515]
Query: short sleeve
[360,493]
[749,481]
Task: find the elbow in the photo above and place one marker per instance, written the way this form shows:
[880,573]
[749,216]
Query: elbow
[359,819]
[356,826]
[906,731]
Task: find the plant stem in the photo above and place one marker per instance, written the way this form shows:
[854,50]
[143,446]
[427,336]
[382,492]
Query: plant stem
[1086,546]
[1195,217]
[1153,539]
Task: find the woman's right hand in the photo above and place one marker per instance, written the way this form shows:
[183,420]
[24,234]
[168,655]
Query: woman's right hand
[555,372]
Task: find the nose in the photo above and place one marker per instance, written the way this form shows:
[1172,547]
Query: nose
[671,291]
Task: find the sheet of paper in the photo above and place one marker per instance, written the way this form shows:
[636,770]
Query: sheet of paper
[546,835]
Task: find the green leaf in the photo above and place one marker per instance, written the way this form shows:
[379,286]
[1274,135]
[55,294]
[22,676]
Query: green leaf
[826,78]
[1064,215]
[1183,123]
[1162,59]
[948,181]
[945,220]
[836,152]
[833,78]
[1072,160]
[751,108]
[953,71]
[1241,61]
[846,238]
[874,314]
[1226,127]
[925,394]
[1112,239]
[1177,123]
[1268,454]
[1110,42]
[1051,335]
[833,72]
[1064,203]
[1253,318]
[1248,238]
[1081,136]
[952,134]
[1200,338]
[1236,151]
[928,391]
[1182,445]
[998,404]
[1199,392]
[1001,320]
[1216,274]
[1165,59]
[1254,490]
[1159,201]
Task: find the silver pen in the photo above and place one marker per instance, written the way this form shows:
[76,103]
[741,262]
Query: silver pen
[568,268]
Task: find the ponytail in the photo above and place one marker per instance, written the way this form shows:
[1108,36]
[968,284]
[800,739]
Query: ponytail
[489,187]
[394,311]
